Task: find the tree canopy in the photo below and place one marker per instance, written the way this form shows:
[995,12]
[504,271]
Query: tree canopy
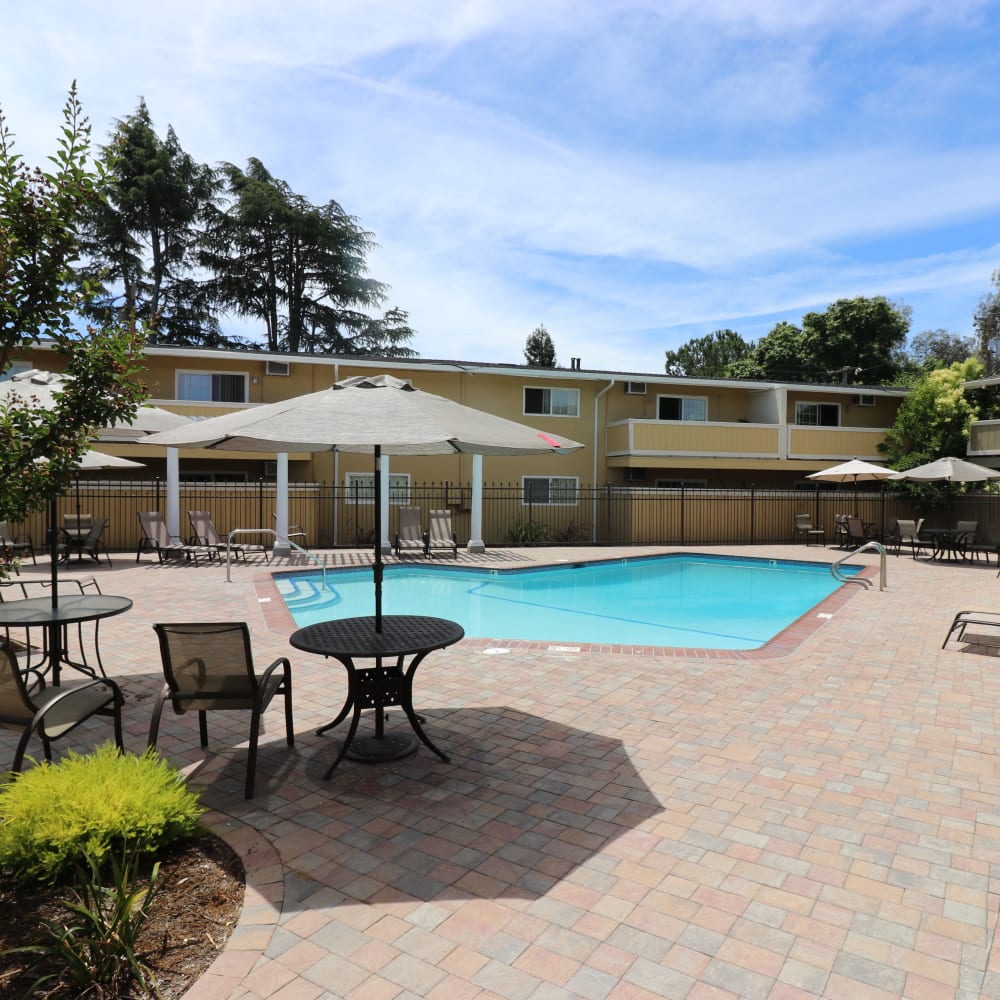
[41,213]
[183,245]
[710,356]
[539,351]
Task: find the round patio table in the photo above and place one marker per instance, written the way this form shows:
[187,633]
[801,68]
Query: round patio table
[39,612]
[381,684]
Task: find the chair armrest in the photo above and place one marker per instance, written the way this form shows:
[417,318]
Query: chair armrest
[281,661]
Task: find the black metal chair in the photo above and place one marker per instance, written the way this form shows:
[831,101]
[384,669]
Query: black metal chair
[208,667]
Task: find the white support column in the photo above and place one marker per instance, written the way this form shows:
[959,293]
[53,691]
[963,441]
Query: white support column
[281,546]
[476,543]
[173,492]
[383,527]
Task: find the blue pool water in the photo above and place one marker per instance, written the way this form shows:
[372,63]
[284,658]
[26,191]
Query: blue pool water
[699,601]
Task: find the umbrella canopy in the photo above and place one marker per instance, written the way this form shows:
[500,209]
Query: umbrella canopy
[360,414]
[367,415]
[854,471]
[953,470]
[42,388]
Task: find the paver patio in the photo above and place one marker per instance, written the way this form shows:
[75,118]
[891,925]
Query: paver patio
[817,820]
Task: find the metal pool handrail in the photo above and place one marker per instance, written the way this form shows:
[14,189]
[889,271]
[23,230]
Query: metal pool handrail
[860,580]
[269,531]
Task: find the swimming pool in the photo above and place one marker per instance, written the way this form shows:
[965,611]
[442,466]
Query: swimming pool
[692,600]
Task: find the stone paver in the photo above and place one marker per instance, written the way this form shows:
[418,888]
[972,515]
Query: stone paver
[820,818]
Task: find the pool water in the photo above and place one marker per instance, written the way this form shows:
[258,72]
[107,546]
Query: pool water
[697,601]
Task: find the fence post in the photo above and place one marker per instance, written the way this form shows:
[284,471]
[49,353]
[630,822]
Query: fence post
[753,513]
[683,511]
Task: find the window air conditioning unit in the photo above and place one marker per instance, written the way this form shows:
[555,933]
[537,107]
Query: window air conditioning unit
[863,400]
[635,475]
[635,388]
[277,368]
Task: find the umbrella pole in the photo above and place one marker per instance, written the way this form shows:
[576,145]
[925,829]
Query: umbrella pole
[53,552]
[377,565]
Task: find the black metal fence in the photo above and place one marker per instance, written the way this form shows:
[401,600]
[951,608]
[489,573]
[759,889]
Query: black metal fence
[333,516]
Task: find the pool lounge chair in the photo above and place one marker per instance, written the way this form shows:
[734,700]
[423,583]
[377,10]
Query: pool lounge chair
[410,533]
[439,534]
[984,619]
[156,538]
[205,533]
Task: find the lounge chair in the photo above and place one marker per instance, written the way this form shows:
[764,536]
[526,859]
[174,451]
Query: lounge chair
[804,529]
[439,534]
[156,538]
[9,540]
[984,619]
[207,667]
[908,533]
[410,533]
[294,531]
[27,704]
[89,544]
[205,533]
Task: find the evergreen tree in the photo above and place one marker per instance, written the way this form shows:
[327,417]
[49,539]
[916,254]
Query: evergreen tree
[708,357]
[142,239]
[539,351]
[298,268]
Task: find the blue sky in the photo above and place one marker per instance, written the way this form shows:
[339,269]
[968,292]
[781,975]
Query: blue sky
[631,173]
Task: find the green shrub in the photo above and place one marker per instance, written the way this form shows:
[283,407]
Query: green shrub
[55,816]
[525,531]
[95,953]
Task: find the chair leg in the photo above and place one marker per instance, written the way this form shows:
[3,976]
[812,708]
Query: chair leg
[203,728]
[252,755]
[289,729]
[154,722]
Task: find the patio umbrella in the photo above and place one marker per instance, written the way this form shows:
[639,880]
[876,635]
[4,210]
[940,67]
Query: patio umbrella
[952,470]
[375,415]
[854,471]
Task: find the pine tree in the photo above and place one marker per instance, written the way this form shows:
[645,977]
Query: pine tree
[539,351]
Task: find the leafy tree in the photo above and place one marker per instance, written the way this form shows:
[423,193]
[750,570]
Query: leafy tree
[940,348]
[710,356]
[299,268]
[853,341]
[986,321]
[141,240]
[779,356]
[539,351]
[934,419]
[40,215]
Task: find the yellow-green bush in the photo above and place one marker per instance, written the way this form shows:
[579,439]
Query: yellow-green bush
[86,806]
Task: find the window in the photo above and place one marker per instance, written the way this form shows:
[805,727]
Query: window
[214,387]
[549,489]
[361,488]
[682,407]
[552,402]
[817,414]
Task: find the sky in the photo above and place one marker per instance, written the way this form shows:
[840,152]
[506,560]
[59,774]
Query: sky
[630,174]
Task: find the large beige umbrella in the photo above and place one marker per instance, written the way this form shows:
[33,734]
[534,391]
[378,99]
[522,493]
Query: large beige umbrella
[952,470]
[367,415]
[854,471]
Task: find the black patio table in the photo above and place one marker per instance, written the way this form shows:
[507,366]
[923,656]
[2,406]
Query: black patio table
[947,542]
[380,685]
[39,612]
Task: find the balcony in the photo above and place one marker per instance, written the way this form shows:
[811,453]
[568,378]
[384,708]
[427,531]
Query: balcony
[721,440]
[984,439]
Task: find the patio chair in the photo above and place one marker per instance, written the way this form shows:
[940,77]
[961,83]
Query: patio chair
[27,704]
[439,534]
[858,533]
[410,533]
[77,525]
[205,533]
[967,545]
[89,544]
[156,537]
[207,667]
[804,529]
[9,540]
[908,533]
